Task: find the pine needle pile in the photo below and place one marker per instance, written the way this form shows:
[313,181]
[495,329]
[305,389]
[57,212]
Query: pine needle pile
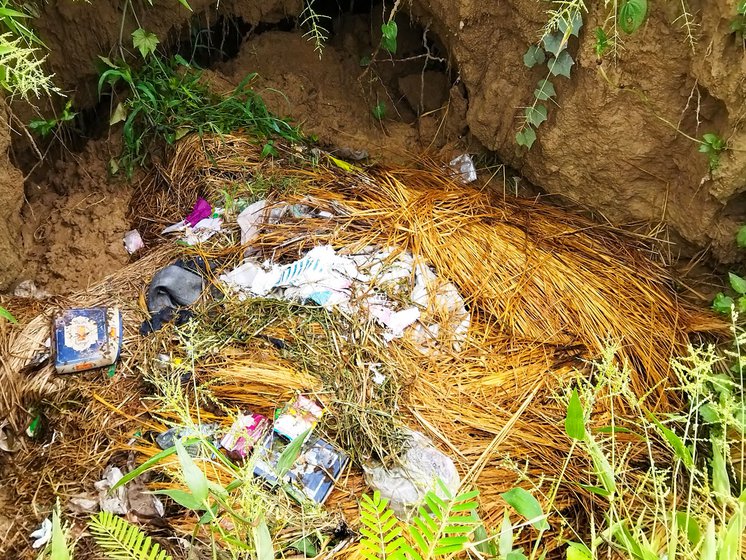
[545,291]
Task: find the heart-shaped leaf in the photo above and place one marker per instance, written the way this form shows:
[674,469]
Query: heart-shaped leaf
[534,55]
[526,137]
[389,31]
[535,115]
[554,43]
[544,91]
[561,65]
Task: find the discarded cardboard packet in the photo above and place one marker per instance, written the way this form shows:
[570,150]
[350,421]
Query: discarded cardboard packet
[248,430]
[298,417]
[312,475]
[86,338]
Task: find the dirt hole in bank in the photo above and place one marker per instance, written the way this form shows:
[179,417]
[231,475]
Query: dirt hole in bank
[388,108]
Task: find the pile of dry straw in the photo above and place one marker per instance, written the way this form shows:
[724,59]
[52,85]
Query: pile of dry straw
[545,289]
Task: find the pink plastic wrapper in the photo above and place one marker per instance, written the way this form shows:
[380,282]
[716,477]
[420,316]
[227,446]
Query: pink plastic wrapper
[246,431]
[201,210]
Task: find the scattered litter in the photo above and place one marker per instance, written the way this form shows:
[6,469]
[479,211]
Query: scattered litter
[360,283]
[248,430]
[405,486]
[133,242]
[86,338]
[39,359]
[34,427]
[299,417]
[28,289]
[463,165]
[177,285]
[133,500]
[250,221]
[168,438]
[43,534]
[200,225]
[113,502]
[141,503]
[312,475]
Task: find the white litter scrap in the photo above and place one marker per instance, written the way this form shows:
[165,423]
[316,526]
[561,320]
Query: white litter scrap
[43,534]
[113,502]
[199,232]
[464,168]
[405,486]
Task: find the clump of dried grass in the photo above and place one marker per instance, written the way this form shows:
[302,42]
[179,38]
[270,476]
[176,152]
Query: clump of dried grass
[544,288]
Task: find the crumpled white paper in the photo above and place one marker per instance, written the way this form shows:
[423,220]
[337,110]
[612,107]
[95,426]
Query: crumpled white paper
[43,534]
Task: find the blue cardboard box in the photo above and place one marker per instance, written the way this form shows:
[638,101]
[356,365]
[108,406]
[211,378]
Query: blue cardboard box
[86,338]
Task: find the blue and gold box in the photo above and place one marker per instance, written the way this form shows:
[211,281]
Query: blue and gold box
[86,338]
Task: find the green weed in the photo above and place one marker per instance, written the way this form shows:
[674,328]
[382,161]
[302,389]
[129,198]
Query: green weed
[443,531]
[312,20]
[712,145]
[689,504]
[21,64]
[553,51]
[169,99]
[632,14]
[46,126]
[379,111]
[738,23]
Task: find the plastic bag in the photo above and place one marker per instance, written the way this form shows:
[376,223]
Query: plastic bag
[405,486]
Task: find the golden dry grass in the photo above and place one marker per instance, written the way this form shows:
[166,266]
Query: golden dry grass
[545,290]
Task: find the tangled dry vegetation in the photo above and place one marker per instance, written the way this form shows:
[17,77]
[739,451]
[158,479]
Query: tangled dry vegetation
[546,291]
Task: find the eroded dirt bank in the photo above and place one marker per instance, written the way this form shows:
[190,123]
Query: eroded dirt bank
[610,143]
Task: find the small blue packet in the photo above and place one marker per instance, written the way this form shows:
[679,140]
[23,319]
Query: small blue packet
[86,338]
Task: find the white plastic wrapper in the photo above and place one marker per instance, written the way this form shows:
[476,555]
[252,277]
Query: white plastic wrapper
[132,241]
[463,165]
[405,486]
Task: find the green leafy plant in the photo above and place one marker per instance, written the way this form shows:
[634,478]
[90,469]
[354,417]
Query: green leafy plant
[121,540]
[632,14]
[738,23]
[602,42]
[389,32]
[46,126]
[552,52]
[7,315]
[382,534]
[379,111]
[317,33]
[685,506]
[712,145]
[168,100]
[723,303]
[442,528]
[145,42]
[21,64]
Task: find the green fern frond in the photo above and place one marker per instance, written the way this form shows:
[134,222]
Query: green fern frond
[121,540]
[447,527]
[381,532]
